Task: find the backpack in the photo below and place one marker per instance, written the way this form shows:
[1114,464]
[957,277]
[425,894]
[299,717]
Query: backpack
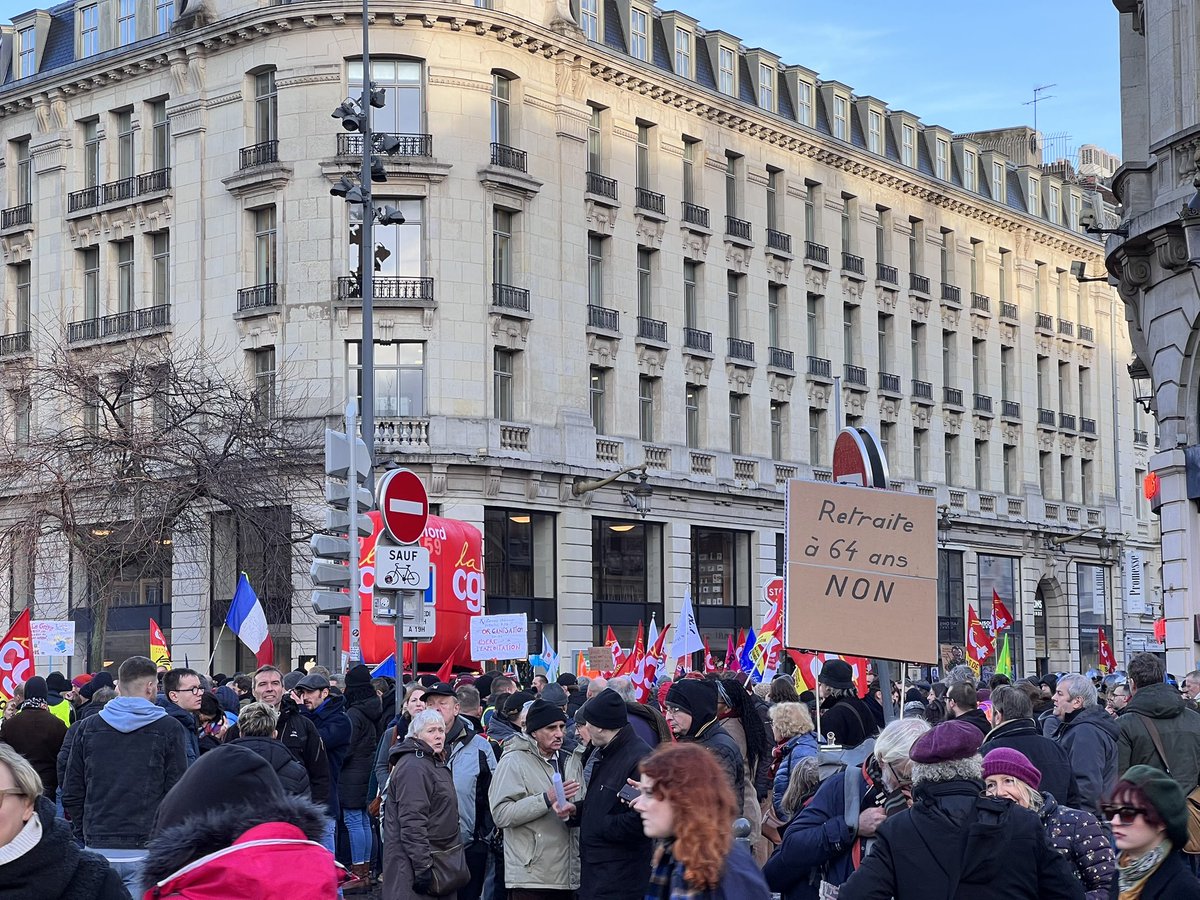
[832,759]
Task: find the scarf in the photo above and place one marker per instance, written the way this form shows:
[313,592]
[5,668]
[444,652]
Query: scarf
[1132,873]
[34,703]
[666,879]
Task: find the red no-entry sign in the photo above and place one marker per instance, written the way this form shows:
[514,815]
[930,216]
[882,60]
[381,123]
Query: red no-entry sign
[403,505]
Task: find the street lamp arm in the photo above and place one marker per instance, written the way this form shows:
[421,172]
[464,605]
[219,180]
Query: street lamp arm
[1067,538]
[583,487]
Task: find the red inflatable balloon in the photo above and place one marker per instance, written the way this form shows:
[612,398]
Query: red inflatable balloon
[456,559]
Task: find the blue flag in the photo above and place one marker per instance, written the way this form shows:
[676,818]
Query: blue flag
[745,663]
[386,669]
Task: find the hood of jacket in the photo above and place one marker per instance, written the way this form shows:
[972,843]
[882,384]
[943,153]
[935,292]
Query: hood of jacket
[411,746]
[1158,701]
[1015,728]
[210,830]
[128,714]
[371,707]
[332,705]
[179,714]
[1096,717]
[500,729]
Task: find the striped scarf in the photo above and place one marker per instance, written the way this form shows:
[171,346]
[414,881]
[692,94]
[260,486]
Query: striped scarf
[34,703]
[666,879]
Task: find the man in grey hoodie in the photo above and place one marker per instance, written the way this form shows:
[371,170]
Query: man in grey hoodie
[122,762]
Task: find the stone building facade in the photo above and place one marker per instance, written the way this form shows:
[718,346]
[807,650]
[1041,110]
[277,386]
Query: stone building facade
[628,239]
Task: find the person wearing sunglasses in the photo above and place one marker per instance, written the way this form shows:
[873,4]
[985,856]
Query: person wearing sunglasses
[1149,817]
[1077,835]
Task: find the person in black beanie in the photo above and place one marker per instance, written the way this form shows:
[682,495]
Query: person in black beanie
[691,711]
[506,720]
[231,796]
[614,851]
[364,709]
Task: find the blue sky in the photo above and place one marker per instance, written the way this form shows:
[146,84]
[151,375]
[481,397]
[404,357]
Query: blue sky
[964,65]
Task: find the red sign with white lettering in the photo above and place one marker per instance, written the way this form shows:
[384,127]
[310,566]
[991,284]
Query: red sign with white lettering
[404,506]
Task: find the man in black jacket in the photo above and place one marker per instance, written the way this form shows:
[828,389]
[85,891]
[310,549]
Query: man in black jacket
[295,732]
[1089,736]
[257,723]
[691,711]
[122,762]
[1158,706]
[613,849]
[843,714]
[962,701]
[181,699]
[1014,727]
[954,842]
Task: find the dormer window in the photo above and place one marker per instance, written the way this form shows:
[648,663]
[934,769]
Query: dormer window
[1055,204]
[639,32]
[942,159]
[841,111]
[127,21]
[970,163]
[804,102]
[766,87]
[683,53]
[589,18]
[89,30]
[875,131]
[1035,196]
[998,193]
[725,63]
[164,15]
[1076,205]
[908,145]
[26,52]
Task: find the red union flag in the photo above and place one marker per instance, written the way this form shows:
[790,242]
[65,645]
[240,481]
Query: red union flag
[1001,617]
[979,645]
[16,656]
[1108,662]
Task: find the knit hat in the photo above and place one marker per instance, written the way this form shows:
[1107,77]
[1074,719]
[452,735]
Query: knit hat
[606,710]
[541,714]
[358,675]
[947,742]
[291,679]
[513,702]
[581,716]
[227,775]
[554,694]
[1007,761]
[566,679]
[57,681]
[1164,794]
[837,674]
[697,698]
[101,680]
[35,688]
[484,684]
[80,680]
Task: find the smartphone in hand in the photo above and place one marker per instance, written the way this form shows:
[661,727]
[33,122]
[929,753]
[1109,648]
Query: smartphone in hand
[628,794]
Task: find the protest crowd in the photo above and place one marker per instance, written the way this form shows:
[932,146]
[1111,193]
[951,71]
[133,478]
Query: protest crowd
[721,784]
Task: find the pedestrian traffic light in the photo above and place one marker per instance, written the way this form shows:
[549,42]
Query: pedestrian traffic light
[347,463]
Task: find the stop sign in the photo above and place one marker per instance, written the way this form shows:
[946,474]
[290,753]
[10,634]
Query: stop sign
[403,506]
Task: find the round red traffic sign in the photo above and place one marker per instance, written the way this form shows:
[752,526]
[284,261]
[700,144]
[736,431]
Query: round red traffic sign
[403,506]
[858,459]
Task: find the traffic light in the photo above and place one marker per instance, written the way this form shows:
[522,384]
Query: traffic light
[347,463]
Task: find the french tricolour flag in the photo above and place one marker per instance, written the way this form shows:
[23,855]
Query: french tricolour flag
[248,621]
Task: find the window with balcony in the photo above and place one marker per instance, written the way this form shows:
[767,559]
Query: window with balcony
[813,325]
[908,145]
[402,83]
[970,170]
[264,381]
[950,453]
[22,413]
[23,279]
[1011,469]
[733,294]
[691,151]
[976,253]
[884,338]
[778,429]
[776,314]
[639,34]
[266,108]
[693,417]
[125,279]
[1046,473]
[1005,275]
[1066,472]
[24,172]
[949,356]
[126,153]
[918,453]
[647,388]
[849,334]
[946,254]
[642,168]
[812,196]
[502,246]
[1039,287]
[998,192]
[1007,373]
[916,242]
[979,366]
[595,270]
[501,110]
[126,22]
[683,53]
[766,87]
[399,377]
[160,136]
[1087,482]
[503,371]
[981,465]
[804,103]
[645,282]
[399,253]
[941,162]
[589,19]
[160,268]
[726,62]
[91,153]
[26,52]
[595,135]
[164,15]
[875,131]
[89,30]
[691,300]
[1085,392]
[598,394]
[816,436]
[733,177]
[917,349]
[90,262]
[774,182]
[849,207]
[266,243]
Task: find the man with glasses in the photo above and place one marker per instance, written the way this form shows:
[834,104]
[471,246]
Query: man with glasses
[122,762]
[1118,698]
[181,699]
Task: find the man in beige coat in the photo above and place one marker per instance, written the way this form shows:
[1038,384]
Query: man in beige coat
[541,835]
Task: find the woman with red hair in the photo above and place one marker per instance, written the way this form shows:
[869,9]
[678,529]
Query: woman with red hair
[687,805]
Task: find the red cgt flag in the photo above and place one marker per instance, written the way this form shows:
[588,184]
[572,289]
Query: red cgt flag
[631,662]
[710,664]
[1001,617]
[16,656]
[979,644]
[1108,662]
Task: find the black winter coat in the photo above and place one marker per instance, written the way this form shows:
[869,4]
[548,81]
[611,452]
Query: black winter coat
[333,726]
[301,737]
[718,742]
[978,718]
[1172,880]
[954,843]
[56,869]
[849,721]
[614,852]
[1090,738]
[355,779]
[292,775]
[1178,729]
[37,734]
[1049,758]
[191,728]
